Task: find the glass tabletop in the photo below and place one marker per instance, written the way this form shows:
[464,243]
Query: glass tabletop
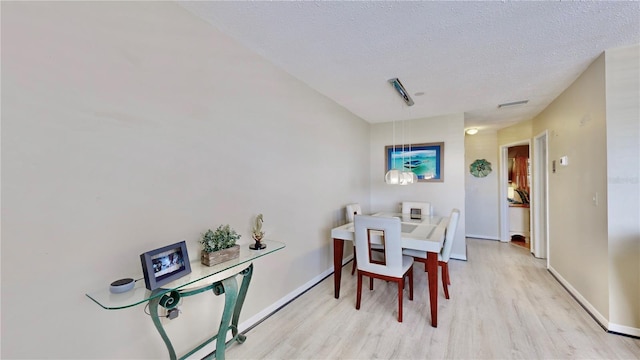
[408,219]
[139,294]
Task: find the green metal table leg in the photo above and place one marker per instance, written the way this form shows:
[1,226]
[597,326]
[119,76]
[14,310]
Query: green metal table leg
[233,302]
[246,280]
[154,304]
[229,287]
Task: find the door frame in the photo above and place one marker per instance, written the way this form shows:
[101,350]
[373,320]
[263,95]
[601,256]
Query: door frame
[503,184]
[540,196]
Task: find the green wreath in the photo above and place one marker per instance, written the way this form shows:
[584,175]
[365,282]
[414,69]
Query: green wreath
[480,168]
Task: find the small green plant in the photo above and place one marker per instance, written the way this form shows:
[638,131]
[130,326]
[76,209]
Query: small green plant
[224,237]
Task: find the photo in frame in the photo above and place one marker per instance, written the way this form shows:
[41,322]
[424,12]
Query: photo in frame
[165,264]
[425,160]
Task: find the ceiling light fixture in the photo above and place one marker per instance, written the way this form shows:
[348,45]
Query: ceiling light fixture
[521,102]
[472,131]
[407,176]
[401,90]
[393,175]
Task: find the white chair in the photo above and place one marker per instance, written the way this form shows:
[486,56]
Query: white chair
[389,265]
[445,253]
[417,209]
[351,210]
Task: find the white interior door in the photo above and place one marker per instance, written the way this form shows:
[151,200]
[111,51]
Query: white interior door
[539,215]
[504,204]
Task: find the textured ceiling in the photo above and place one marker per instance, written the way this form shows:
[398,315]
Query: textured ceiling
[464,56]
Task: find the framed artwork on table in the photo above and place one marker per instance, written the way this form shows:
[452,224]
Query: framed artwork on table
[165,264]
[424,160]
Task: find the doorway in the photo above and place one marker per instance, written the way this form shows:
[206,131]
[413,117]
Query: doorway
[515,182]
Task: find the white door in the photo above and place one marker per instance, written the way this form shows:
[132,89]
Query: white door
[539,203]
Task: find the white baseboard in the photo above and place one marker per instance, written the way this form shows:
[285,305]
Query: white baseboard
[609,326]
[622,329]
[581,299]
[483,237]
[283,301]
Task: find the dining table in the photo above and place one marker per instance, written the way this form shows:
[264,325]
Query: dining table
[423,233]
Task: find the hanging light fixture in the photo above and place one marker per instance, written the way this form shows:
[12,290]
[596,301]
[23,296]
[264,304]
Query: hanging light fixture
[414,177]
[392,177]
[395,82]
[407,176]
[395,176]
[410,176]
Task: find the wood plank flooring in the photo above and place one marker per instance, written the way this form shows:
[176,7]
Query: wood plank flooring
[504,305]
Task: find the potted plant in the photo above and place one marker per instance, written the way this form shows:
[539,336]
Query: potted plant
[219,246]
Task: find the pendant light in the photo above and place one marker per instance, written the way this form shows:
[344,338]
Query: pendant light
[404,177]
[407,177]
[412,178]
[393,176]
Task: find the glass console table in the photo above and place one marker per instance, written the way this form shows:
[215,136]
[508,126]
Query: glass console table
[202,278]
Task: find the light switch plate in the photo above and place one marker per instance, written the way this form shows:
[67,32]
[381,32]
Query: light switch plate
[564,161]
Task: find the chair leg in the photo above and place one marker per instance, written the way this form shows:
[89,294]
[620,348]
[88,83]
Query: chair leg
[411,283]
[401,290]
[370,283]
[400,283]
[359,291]
[445,279]
[445,271]
[355,262]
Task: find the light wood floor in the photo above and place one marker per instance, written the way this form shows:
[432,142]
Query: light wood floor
[504,305]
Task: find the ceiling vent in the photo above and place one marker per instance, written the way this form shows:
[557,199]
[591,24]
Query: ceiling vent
[401,90]
[515,103]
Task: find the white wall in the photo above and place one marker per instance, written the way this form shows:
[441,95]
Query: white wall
[443,196]
[594,227]
[131,125]
[623,187]
[481,202]
[516,133]
[577,226]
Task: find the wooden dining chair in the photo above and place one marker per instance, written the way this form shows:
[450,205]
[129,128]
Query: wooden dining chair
[416,209]
[388,265]
[445,253]
[351,210]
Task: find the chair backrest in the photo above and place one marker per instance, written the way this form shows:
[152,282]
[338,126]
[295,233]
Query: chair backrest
[450,234]
[424,208]
[378,230]
[353,209]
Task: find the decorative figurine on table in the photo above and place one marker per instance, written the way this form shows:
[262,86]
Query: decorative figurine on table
[258,234]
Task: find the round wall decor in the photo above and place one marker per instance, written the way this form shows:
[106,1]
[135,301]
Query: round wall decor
[480,168]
